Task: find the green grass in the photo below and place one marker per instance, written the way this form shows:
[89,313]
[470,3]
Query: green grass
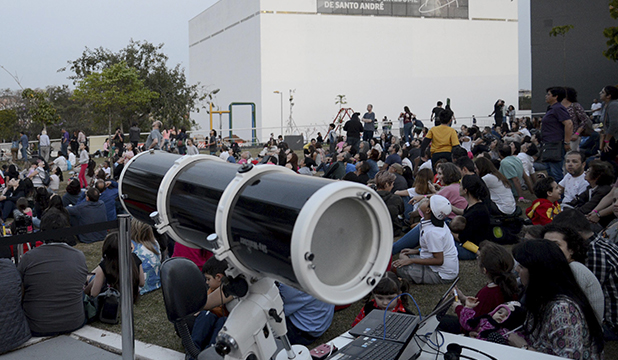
[151,324]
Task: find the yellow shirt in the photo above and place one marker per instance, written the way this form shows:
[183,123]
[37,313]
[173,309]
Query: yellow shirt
[443,138]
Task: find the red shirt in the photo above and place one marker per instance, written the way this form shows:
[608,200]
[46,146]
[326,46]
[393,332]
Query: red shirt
[542,211]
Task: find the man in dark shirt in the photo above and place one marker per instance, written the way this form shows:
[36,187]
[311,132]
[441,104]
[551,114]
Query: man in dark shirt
[53,277]
[557,131]
[394,157]
[353,130]
[435,113]
[368,123]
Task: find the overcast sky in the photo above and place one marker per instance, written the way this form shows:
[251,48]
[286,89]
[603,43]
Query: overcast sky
[38,37]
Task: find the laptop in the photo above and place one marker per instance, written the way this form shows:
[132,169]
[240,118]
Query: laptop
[398,325]
[371,348]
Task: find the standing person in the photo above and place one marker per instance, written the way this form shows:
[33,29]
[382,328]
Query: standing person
[181,141]
[212,142]
[73,142]
[353,128]
[118,141]
[44,145]
[557,129]
[368,123]
[435,113]
[582,125]
[408,123]
[81,137]
[155,139]
[83,163]
[332,138]
[14,148]
[596,110]
[23,140]
[64,142]
[442,139]
[134,135]
[191,149]
[498,113]
[609,118]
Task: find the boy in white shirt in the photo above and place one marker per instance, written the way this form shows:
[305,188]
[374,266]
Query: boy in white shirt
[573,183]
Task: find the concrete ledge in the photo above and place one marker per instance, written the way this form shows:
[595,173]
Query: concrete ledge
[113,342]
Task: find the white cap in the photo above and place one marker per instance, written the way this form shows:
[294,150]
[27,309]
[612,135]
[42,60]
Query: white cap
[440,206]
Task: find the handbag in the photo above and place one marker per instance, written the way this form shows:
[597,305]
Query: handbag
[552,152]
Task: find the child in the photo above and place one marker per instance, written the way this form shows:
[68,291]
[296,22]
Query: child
[209,322]
[573,183]
[546,206]
[387,289]
[496,263]
[495,325]
[436,261]
[458,224]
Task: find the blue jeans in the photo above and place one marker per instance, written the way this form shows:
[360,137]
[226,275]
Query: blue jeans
[407,131]
[554,169]
[206,328]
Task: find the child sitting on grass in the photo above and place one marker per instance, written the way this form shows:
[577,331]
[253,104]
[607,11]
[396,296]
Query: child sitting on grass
[436,261]
[209,322]
[543,209]
[387,289]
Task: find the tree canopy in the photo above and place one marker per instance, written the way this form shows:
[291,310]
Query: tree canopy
[115,94]
[176,97]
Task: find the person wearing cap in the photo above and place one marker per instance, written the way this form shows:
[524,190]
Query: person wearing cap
[435,262]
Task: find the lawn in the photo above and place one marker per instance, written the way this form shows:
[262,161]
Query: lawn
[151,324]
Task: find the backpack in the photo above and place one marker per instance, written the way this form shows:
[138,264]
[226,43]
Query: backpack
[46,180]
[108,306]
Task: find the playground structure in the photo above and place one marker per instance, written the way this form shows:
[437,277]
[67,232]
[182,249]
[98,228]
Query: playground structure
[229,112]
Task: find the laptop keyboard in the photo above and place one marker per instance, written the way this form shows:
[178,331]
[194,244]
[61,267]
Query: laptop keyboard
[384,351]
[395,326]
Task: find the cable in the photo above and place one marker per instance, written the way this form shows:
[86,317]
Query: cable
[389,304]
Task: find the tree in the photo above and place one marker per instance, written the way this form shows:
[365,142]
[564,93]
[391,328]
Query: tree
[40,110]
[611,33]
[562,31]
[114,94]
[176,97]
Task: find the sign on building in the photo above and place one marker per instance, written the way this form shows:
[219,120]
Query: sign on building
[454,9]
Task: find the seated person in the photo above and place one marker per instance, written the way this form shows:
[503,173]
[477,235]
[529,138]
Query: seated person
[543,209]
[209,322]
[382,296]
[600,179]
[91,211]
[53,304]
[306,317]
[14,326]
[107,272]
[436,261]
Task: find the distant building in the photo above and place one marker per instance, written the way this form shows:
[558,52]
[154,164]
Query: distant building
[587,70]
[389,53]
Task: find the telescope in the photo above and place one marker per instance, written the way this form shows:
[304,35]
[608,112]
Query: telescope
[330,239]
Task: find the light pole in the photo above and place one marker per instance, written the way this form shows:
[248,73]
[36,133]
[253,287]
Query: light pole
[280,93]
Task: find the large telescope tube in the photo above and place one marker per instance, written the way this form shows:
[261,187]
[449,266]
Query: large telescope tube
[331,239]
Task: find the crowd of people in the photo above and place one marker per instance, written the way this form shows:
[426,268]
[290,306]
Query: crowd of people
[452,195]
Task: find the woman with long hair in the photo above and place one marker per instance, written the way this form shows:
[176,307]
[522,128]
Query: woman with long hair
[146,247]
[498,185]
[108,271]
[560,319]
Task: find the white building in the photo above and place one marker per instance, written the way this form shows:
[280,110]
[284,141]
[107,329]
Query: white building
[250,48]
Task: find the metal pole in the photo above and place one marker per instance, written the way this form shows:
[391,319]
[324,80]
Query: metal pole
[126,288]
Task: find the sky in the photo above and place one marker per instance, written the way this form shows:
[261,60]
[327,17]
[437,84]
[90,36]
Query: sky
[38,37]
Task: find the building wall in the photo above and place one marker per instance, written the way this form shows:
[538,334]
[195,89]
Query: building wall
[587,70]
[387,61]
